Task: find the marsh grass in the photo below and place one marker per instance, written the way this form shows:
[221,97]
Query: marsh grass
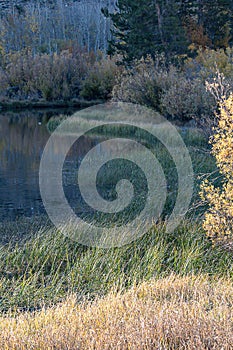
[174,312]
[47,266]
[41,266]
[95,119]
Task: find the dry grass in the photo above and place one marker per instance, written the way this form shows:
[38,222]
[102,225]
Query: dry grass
[171,313]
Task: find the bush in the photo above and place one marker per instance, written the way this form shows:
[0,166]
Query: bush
[166,89]
[143,83]
[52,77]
[187,98]
[63,76]
[208,61]
[100,80]
[218,221]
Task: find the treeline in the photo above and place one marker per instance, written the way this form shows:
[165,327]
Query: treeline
[142,27]
[134,28]
[54,50]
[158,53]
[49,26]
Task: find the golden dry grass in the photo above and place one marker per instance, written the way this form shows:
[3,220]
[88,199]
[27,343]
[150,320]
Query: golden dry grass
[171,313]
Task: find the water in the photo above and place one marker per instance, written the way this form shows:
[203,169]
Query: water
[23,136]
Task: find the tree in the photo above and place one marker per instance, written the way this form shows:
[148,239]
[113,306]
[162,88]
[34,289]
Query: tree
[217,16]
[144,27]
[175,39]
[219,218]
[208,22]
[134,29]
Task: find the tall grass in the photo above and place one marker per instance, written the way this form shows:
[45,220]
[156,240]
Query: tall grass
[162,291]
[171,313]
[44,266]
[47,266]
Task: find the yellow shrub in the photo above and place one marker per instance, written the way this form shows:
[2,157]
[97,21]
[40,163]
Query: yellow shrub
[219,219]
[208,61]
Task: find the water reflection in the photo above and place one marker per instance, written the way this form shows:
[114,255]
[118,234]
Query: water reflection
[22,139]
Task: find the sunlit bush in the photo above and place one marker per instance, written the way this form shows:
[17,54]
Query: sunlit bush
[209,61]
[219,218]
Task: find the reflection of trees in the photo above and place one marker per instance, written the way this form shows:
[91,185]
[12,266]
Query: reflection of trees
[22,140]
[21,137]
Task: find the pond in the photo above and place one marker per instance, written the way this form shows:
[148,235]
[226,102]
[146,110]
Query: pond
[23,136]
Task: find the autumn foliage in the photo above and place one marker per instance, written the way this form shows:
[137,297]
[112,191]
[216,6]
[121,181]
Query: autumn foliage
[219,218]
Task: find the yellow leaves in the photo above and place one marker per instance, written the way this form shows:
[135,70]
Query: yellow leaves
[219,219]
[222,123]
[1,50]
[211,60]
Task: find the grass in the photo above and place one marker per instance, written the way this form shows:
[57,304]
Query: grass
[194,139]
[170,313]
[162,291]
[47,266]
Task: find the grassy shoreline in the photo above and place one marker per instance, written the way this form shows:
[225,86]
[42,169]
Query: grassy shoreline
[45,267]
[162,291]
[40,266]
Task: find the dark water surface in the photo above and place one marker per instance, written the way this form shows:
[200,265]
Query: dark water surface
[23,136]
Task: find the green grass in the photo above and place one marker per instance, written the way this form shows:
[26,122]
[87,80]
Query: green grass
[47,266]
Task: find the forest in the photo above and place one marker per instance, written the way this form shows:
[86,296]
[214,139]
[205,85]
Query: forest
[72,50]
[142,93]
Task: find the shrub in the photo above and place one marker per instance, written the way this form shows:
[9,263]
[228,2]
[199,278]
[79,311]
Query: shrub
[58,76]
[166,89]
[187,99]
[143,83]
[100,80]
[49,76]
[208,61]
[218,221]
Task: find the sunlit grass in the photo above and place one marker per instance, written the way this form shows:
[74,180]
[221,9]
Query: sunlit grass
[169,313]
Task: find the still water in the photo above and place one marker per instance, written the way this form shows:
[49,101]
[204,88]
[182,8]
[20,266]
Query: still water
[23,136]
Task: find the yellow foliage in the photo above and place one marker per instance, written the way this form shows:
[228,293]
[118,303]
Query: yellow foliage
[219,219]
[211,60]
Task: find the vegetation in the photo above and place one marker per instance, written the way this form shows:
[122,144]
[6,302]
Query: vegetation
[171,313]
[100,80]
[167,89]
[42,266]
[164,290]
[45,267]
[49,26]
[219,219]
[69,75]
[168,48]
[145,27]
